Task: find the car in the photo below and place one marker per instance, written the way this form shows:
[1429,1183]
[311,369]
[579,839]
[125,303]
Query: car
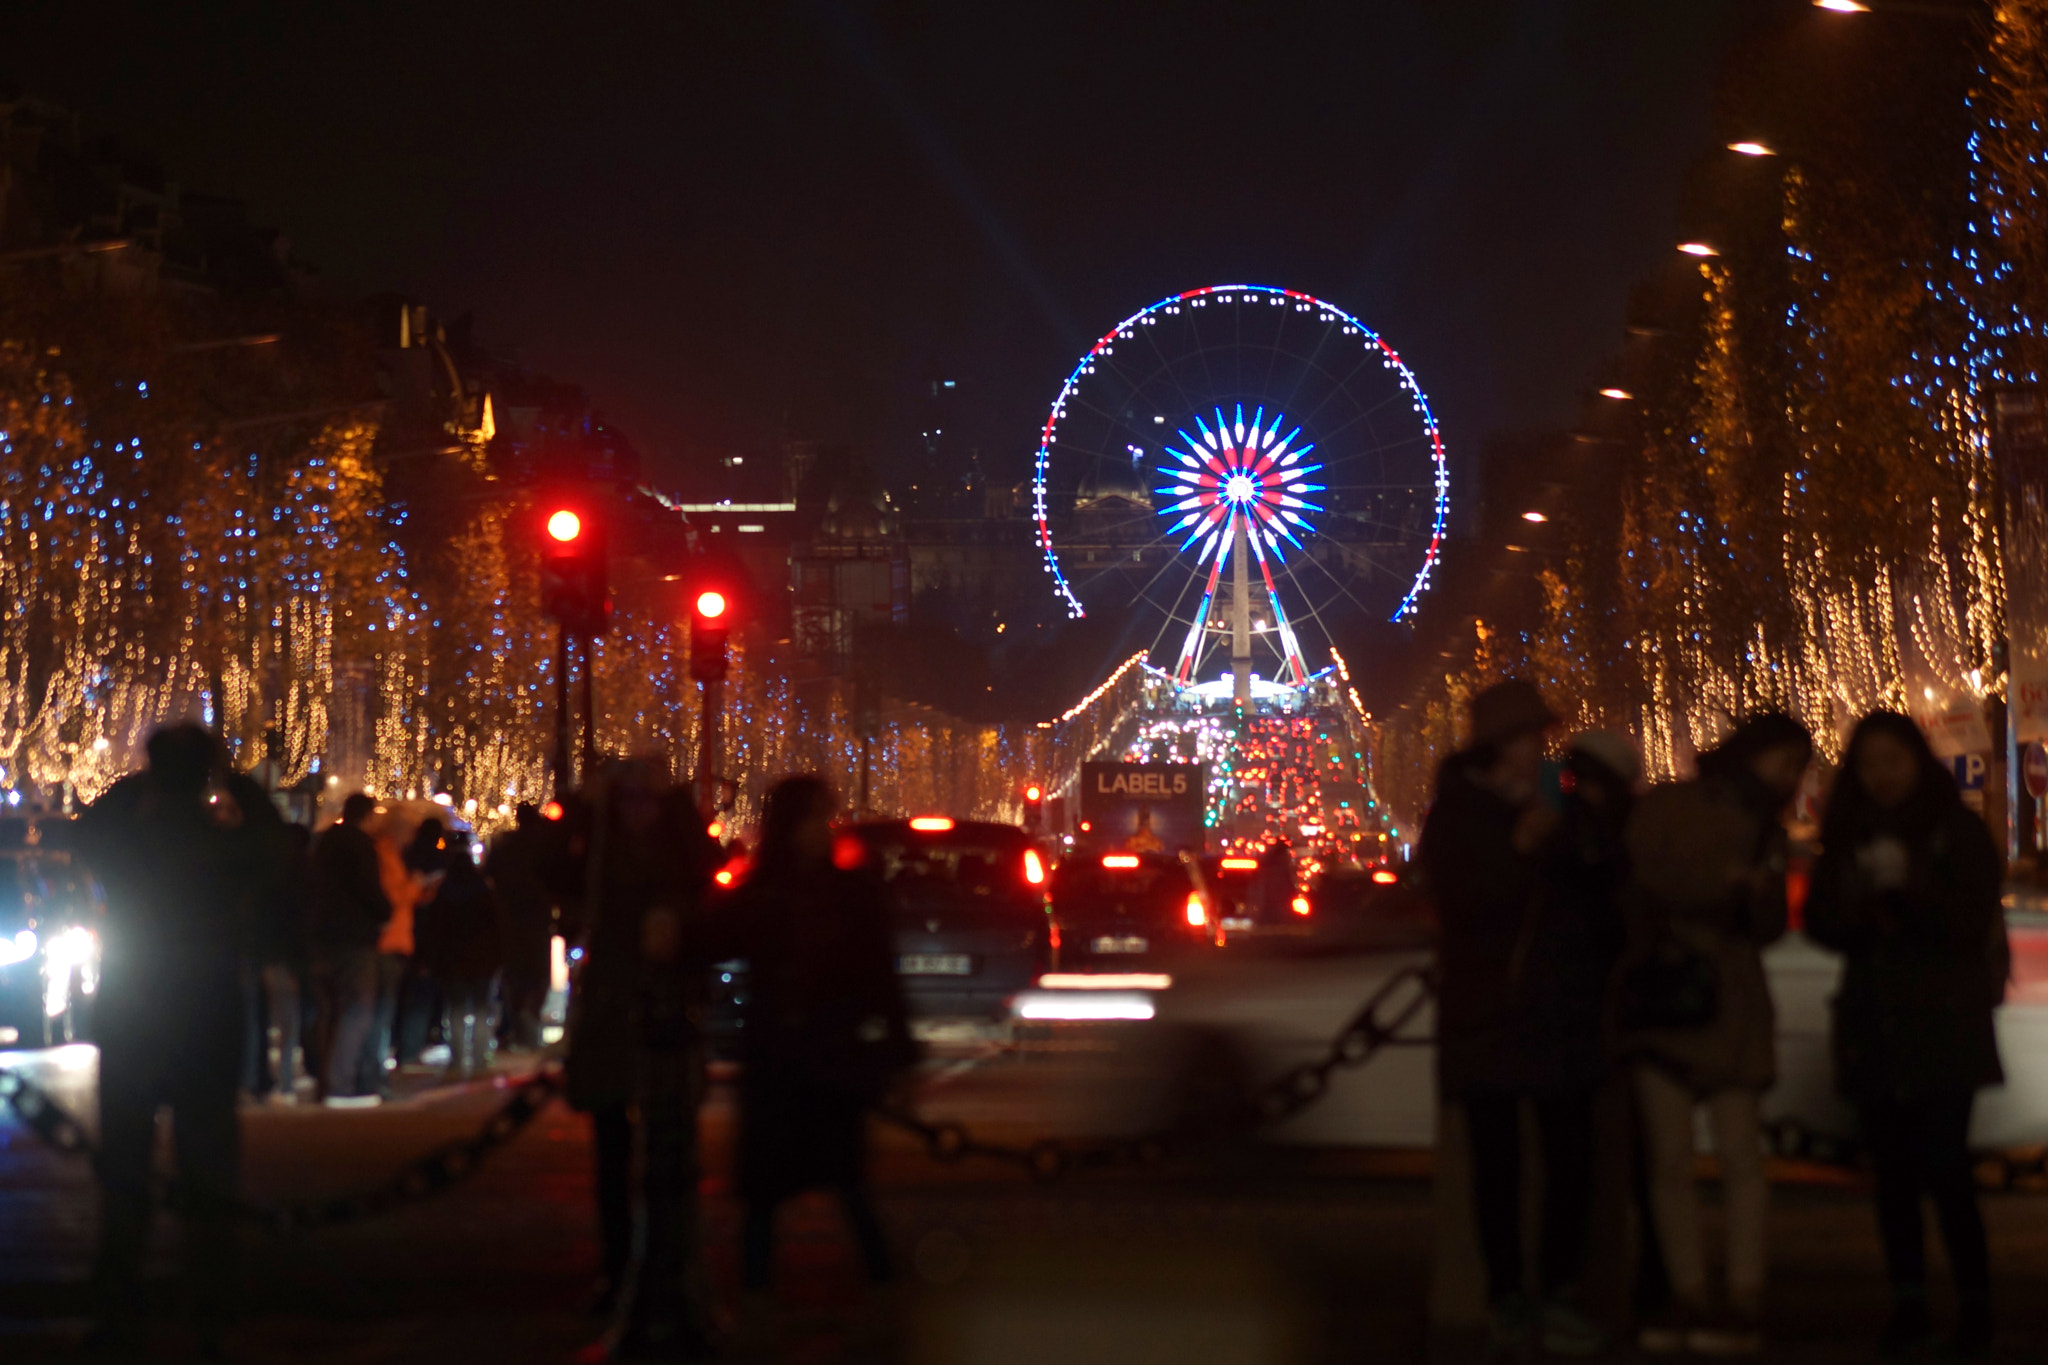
[1118,911]
[49,944]
[972,922]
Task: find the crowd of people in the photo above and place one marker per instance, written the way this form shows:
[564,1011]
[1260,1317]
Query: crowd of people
[1598,934]
[223,921]
[363,941]
[1598,938]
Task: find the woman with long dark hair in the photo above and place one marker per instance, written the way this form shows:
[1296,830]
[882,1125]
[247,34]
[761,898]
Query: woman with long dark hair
[825,1028]
[1907,889]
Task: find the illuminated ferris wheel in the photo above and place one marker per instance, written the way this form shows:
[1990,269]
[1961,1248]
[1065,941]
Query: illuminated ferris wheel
[1245,465]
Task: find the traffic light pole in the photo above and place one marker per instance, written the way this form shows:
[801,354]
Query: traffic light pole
[563,779]
[589,711]
[709,760]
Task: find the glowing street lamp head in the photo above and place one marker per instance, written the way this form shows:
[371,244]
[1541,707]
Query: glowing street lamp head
[711,605]
[1752,148]
[565,526]
[1843,6]
[1700,249]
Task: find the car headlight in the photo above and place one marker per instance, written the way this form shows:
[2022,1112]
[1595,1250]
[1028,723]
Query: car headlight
[72,947]
[20,948]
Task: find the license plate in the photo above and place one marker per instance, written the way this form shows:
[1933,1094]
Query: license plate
[1120,943]
[935,964]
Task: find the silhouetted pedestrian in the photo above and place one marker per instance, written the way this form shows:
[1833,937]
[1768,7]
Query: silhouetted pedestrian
[350,911]
[404,888]
[180,849]
[275,967]
[527,926]
[1510,1029]
[637,860]
[1273,884]
[1693,1011]
[458,941]
[1908,889]
[825,1035]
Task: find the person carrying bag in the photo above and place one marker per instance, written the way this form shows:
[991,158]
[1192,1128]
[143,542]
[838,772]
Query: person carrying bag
[1693,1017]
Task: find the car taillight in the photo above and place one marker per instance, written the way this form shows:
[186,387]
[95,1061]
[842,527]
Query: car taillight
[1240,864]
[932,824]
[1120,860]
[1300,905]
[1198,913]
[848,853]
[1386,878]
[1034,867]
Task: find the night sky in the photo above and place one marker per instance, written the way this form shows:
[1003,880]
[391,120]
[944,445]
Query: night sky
[735,224]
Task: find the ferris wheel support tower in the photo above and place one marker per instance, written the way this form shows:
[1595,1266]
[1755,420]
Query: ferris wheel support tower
[1241,618]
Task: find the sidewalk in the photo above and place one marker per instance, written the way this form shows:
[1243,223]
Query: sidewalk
[1297,1260]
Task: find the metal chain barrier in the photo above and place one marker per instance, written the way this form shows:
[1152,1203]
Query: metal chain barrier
[429,1175]
[1380,1023]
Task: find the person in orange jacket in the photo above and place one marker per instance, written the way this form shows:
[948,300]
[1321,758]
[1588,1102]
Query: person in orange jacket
[405,889]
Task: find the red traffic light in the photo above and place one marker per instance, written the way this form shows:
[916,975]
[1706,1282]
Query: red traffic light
[1034,793]
[564,525]
[711,605]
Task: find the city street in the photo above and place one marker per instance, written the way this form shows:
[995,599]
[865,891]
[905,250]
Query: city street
[1299,1255]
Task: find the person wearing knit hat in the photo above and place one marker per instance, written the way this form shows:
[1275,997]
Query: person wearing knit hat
[1504,1038]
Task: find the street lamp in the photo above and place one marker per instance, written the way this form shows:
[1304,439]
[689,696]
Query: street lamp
[1536,517]
[1619,395]
[1750,148]
[1700,249]
[1923,9]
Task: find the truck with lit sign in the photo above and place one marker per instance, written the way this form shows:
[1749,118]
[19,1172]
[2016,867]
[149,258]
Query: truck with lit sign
[1142,807]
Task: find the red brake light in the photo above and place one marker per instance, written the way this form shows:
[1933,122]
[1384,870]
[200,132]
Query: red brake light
[848,853]
[1034,867]
[1240,864]
[1300,905]
[932,824]
[1198,913]
[1386,878]
[1120,860]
